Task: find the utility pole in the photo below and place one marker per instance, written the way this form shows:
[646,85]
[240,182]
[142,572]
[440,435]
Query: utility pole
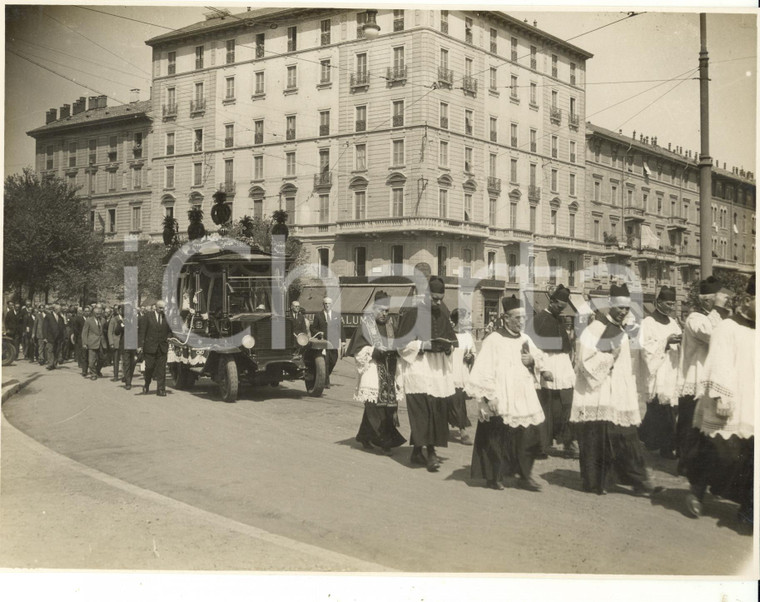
[705,161]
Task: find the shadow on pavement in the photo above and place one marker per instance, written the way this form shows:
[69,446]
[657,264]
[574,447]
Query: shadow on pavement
[712,507]
[569,479]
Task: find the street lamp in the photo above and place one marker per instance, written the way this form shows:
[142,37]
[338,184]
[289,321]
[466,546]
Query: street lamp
[371,29]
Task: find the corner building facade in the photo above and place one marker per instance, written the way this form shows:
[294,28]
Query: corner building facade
[443,143]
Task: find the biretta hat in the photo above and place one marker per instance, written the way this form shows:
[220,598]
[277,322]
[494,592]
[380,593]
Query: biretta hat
[382,298]
[561,293]
[667,293]
[436,285]
[709,286]
[510,303]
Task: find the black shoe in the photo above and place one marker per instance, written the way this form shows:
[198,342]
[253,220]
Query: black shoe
[418,458]
[365,444]
[161,393]
[145,390]
[127,387]
[529,484]
[494,485]
[93,377]
[387,451]
[117,379]
[433,463]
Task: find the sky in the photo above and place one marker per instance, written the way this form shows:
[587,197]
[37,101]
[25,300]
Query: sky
[625,90]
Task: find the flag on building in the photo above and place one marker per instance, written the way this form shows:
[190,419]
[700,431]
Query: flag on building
[647,171]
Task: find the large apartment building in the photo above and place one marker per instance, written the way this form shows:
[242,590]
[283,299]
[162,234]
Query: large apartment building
[643,206]
[105,153]
[441,143]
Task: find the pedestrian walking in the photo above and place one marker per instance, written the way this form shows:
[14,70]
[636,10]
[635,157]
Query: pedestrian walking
[153,342]
[428,374]
[605,411]
[115,331]
[31,351]
[93,340]
[660,350]
[328,323]
[128,343]
[504,379]
[724,453]
[38,337]
[379,385]
[53,334]
[463,357]
[550,335]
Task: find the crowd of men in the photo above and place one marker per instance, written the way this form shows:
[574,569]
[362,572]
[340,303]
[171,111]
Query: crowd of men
[535,388]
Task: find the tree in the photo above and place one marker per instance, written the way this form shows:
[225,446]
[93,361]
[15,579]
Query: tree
[47,240]
[733,281]
[149,261]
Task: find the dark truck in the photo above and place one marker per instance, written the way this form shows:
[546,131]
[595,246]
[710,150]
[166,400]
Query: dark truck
[221,294]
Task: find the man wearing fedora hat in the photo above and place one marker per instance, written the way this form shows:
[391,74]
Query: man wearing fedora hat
[660,349]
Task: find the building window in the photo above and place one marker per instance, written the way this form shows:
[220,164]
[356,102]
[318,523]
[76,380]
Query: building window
[258,86]
[361,118]
[552,271]
[170,143]
[468,122]
[443,154]
[324,208]
[513,44]
[553,222]
[492,211]
[136,218]
[360,261]
[324,26]
[467,207]
[199,57]
[324,262]
[468,67]
[571,226]
[444,21]
[468,30]
[137,178]
[572,74]
[513,87]
[229,135]
[229,88]
[554,147]
[398,113]
[111,180]
[169,176]
[259,45]
[492,165]
[442,259]
[361,67]
[230,51]
[360,157]
[324,71]
[554,65]
[533,138]
[324,123]
[292,81]
[572,152]
[533,60]
[113,153]
[513,171]
[571,273]
[513,135]
[290,163]
[597,225]
[360,204]
[443,202]
[197,174]
[555,99]
[444,114]
[572,184]
[512,268]
[532,218]
[493,128]
[290,127]
[397,260]
[199,96]
[468,166]
[398,19]
[597,192]
[169,211]
[613,194]
[290,208]
[258,131]
[92,158]
[172,63]
[492,79]
[258,207]
[513,215]
[398,202]
[533,94]
[292,38]
[111,221]
[467,263]
[444,59]
[72,154]
[398,153]
[258,167]
[198,141]
[533,174]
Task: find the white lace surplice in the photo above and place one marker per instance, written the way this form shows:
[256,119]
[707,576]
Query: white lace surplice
[729,373]
[368,383]
[461,372]
[659,367]
[500,376]
[605,388]
[694,346]
[427,373]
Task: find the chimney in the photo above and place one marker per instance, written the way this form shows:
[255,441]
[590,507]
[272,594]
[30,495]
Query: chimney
[634,135]
[65,111]
[134,95]
[79,105]
[724,165]
[102,101]
[620,132]
[92,103]
[535,23]
[50,116]
[668,145]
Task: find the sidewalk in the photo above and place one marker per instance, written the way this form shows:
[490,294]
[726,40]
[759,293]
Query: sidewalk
[19,374]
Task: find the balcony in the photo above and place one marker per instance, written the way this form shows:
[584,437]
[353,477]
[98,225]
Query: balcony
[573,121]
[396,75]
[227,187]
[113,156]
[323,179]
[137,151]
[229,142]
[324,129]
[445,77]
[170,111]
[533,63]
[260,51]
[445,123]
[470,85]
[510,235]
[198,146]
[534,193]
[376,227]
[361,126]
[258,138]
[359,80]
[197,106]
[290,134]
[676,224]
[633,214]
[492,136]
[468,128]
[555,115]
[398,121]
[494,184]
[563,243]
[171,69]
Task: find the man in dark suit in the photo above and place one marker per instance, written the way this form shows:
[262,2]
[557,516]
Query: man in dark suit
[75,325]
[296,312]
[93,343]
[328,323]
[53,331]
[153,341]
[12,325]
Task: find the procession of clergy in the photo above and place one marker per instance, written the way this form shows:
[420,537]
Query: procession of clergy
[533,387]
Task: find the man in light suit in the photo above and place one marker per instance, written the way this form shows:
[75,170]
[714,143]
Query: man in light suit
[93,340]
[153,341]
[328,323]
[53,331]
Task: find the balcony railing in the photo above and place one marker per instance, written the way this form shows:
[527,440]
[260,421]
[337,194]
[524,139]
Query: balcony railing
[323,179]
[513,141]
[227,187]
[228,142]
[534,193]
[398,121]
[573,120]
[198,146]
[172,69]
[290,134]
[137,151]
[259,51]
[635,214]
[555,114]
[413,223]
[494,184]
[170,110]
[676,223]
[492,136]
[324,129]
[112,156]
[470,85]
[258,138]
[360,79]
[198,105]
[396,74]
[445,123]
[170,149]
[445,76]
[532,63]
[361,126]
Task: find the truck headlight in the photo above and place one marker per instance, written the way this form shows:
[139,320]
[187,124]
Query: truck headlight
[302,339]
[248,341]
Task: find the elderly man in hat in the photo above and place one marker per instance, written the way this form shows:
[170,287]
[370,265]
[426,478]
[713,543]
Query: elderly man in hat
[428,373]
[379,385]
[605,411]
[296,312]
[695,344]
[504,377]
[660,348]
[329,324]
[556,393]
[725,414]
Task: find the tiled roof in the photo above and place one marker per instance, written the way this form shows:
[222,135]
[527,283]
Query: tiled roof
[142,107]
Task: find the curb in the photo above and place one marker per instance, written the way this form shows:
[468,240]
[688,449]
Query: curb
[10,389]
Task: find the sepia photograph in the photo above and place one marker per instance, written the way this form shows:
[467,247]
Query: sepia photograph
[322,290]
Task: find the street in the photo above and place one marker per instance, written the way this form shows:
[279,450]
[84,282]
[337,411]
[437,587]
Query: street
[276,481]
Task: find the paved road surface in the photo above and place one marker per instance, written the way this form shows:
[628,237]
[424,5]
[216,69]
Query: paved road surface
[276,482]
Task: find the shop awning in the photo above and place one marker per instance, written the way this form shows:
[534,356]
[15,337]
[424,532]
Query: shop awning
[353,299]
[451,299]
[399,294]
[580,304]
[536,301]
